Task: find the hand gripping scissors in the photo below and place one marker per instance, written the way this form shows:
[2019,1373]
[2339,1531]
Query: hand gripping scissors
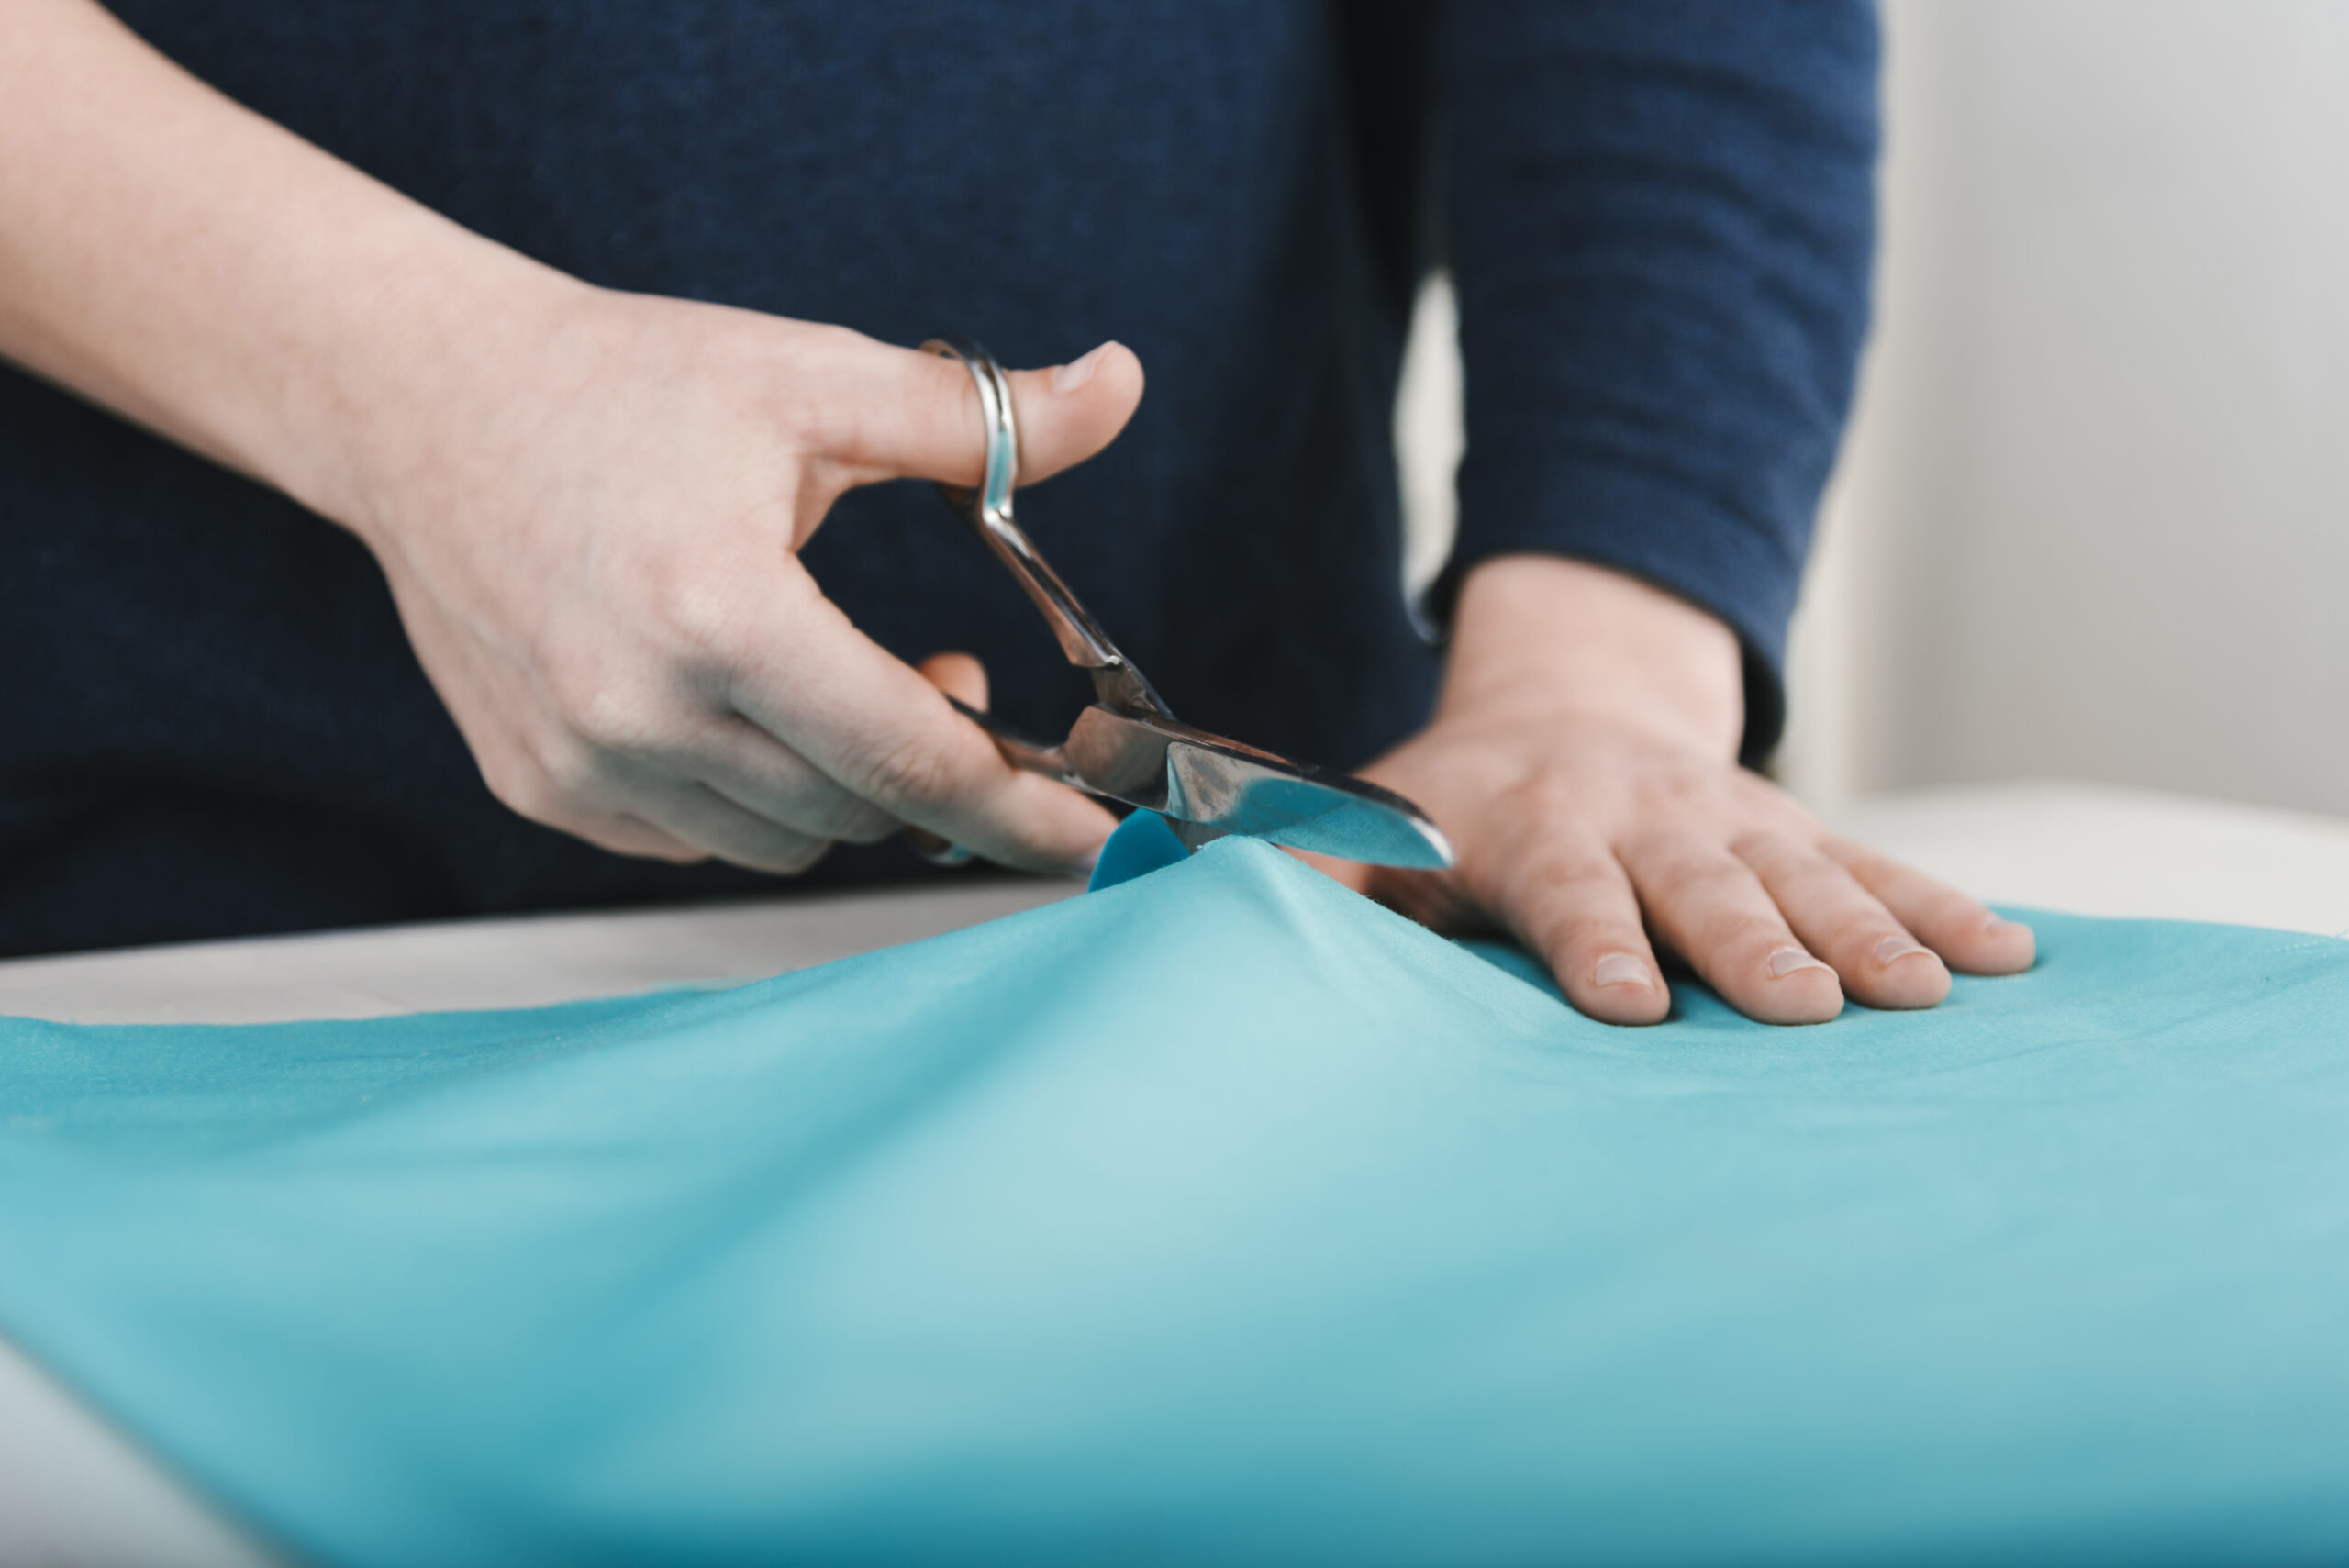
[1127,746]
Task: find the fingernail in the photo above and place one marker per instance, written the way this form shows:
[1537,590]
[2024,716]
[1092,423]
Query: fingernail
[1082,867]
[1892,949]
[1619,969]
[1077,372]
[1787,960]
[1997,923]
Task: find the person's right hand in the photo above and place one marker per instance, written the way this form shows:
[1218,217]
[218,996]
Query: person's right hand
[591,529]
[588,504]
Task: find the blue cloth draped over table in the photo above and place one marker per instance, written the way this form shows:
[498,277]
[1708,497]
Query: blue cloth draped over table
[1221,1216]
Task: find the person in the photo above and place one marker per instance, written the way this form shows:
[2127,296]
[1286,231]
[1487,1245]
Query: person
[582,322]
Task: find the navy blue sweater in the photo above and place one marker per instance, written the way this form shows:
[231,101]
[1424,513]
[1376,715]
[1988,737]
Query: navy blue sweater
[1658,215]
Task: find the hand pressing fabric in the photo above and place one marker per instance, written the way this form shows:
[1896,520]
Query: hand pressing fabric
[1582,760]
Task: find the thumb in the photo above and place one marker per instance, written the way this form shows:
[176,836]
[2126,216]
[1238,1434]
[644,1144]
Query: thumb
[902,414]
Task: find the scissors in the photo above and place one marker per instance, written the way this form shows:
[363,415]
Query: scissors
[1127,746]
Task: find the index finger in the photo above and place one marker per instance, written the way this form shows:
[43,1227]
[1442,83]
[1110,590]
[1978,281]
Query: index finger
[872,723]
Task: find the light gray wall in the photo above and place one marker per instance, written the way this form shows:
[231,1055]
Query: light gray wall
[2094,520]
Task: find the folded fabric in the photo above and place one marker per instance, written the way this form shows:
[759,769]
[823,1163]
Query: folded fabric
[1221,1216]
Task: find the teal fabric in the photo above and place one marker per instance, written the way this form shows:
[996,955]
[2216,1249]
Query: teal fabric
[1220,1217]
[1144,842]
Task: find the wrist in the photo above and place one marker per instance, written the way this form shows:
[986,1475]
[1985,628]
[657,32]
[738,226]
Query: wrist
[1547,638]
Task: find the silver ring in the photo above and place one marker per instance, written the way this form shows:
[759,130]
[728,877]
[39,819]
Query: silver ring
[994,410]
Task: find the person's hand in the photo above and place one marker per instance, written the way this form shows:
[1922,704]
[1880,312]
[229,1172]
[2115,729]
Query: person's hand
[587,503]
[590,526]
[1582,761]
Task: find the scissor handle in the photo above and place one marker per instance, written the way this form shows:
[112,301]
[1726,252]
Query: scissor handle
[1021,752]
[988,511]
[1028,756]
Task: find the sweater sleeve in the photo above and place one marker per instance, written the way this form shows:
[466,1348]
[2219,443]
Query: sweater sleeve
[1661,219]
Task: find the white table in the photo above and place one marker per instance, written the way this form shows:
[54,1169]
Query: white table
[73,1491]
[2095,850]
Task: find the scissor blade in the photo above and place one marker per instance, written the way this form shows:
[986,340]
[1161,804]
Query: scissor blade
[1327,813]
[1225,788]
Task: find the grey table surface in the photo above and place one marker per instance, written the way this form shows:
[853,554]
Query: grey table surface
[74,1491]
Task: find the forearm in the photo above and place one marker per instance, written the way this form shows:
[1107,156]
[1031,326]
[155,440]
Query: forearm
[187,263]
[1545,635]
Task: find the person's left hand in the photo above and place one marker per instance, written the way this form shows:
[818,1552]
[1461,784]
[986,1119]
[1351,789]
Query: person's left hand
[1582,761]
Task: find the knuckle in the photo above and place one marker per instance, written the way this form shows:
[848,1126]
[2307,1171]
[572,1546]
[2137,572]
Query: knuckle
[1563,860]
[698,612]
[1941,897]
[1879,872]
[606,718]
[1857,931]
[624,835]
[1573,901]
[823,808]
[1679,875]
[864,825]
[1572,932]
[1851,852]
[913,769]
[1742,934]
[1545,797]
[567,771]
[547,783]
[1669,792]
[793,859]
[1560,901]
[598,707]
[1765,848]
